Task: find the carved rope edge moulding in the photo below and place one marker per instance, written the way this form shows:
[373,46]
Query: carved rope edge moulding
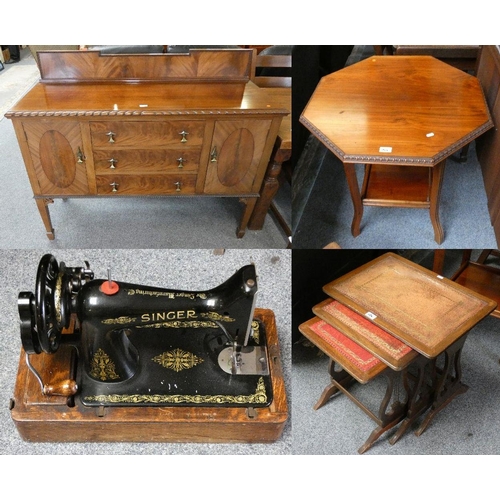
[408,160]
[202,112]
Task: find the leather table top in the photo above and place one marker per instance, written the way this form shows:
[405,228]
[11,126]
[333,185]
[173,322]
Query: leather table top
[424,310]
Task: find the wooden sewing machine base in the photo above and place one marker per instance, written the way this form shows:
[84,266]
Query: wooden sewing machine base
[39,418]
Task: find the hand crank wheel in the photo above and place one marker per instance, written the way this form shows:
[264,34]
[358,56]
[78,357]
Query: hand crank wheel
[46,323]
[29,336]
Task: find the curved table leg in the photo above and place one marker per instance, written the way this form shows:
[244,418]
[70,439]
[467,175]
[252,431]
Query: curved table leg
[337,377]
[391,410]
[448,383]
[419,395]
[352,181]
[387,417]
[327,393]
[437,174]
[376,433]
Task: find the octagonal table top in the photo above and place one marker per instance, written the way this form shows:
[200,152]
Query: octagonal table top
[413,110]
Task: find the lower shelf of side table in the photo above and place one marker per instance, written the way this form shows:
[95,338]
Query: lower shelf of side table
[392,185]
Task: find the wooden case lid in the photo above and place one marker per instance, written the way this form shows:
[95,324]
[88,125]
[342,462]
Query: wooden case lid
[387,348]
[424,310]
[356,360]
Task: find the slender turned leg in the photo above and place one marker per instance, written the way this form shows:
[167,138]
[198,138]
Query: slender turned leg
[448,383]
[436,182]
[269,188]
[352,181]
[247,212]
[42,204]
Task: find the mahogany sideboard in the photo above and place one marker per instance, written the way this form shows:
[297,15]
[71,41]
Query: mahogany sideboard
[151,124]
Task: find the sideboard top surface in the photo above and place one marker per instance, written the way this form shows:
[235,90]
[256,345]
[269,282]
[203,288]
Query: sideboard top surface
[145,99]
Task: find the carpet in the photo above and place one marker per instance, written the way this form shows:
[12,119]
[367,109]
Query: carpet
[15,81]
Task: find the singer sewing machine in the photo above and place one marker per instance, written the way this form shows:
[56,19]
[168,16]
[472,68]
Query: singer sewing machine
[109,361]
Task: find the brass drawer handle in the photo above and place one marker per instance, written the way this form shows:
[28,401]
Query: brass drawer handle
[111,136]
[80,156]
[184,134]
[178,186]
[213,155]
[113,163]
[114,185]
[181,161]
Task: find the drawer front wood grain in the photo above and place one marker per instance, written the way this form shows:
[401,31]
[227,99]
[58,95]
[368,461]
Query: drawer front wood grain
[146,184]
[155,134]
[144,161]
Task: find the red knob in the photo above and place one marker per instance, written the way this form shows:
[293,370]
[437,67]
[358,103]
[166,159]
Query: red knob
[109,287]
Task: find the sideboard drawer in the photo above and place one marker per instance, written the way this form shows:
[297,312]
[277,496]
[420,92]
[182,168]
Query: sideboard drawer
[146,184]
[144,161]
[154,133]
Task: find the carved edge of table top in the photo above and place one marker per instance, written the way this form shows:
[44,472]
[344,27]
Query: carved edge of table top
[398,160]
[174,112]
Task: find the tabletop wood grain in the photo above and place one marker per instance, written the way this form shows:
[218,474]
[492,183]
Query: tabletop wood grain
[418,107]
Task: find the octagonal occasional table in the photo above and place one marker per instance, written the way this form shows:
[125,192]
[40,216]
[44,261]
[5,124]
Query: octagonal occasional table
[400,116]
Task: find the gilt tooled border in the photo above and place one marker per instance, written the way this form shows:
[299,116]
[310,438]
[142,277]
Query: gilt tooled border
[425,280]
[396,352]
[146,113]
[397,160]
[258,397]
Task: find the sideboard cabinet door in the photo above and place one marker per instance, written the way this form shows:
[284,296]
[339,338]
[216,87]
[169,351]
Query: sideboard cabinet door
[235,165]
[57,156]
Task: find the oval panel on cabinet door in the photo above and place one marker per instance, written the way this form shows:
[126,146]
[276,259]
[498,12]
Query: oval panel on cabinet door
[57,159]
[235,157]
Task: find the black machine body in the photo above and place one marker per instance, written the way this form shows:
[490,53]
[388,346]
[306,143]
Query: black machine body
[143,345]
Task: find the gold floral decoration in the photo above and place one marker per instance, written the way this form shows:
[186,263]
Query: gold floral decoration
[101,367]
[178,360]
